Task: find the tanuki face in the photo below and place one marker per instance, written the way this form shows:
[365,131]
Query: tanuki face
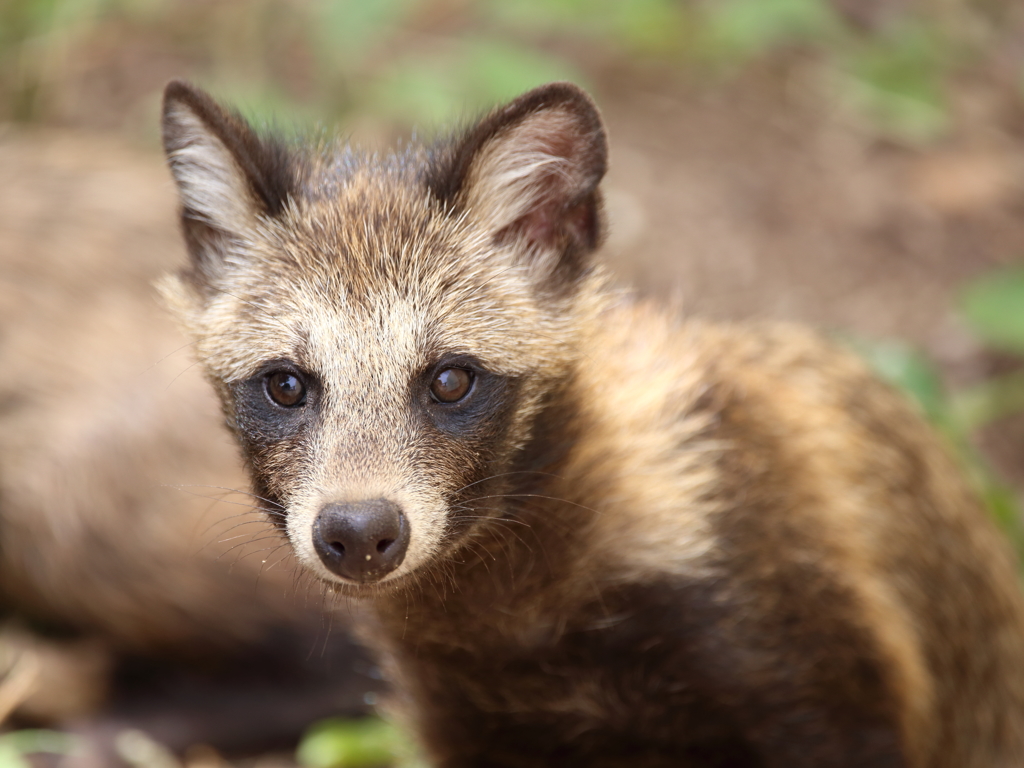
[382,332]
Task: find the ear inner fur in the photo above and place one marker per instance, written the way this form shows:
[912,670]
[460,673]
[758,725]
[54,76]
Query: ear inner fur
[265,163]
[529,172]
[227,175]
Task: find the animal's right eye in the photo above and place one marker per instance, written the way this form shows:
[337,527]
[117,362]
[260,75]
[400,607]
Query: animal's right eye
[286,389]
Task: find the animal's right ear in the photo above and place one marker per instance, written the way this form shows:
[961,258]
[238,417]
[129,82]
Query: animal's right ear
[227,176]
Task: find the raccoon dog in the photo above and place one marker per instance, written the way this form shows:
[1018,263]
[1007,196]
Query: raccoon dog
[591,534]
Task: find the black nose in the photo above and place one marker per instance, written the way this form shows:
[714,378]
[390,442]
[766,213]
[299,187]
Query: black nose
[361,541]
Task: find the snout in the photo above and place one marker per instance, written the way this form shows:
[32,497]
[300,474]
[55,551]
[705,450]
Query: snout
[361,541]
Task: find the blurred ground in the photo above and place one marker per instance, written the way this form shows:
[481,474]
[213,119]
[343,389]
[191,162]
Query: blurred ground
[754,195]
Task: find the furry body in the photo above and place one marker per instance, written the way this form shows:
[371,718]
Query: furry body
[629,540]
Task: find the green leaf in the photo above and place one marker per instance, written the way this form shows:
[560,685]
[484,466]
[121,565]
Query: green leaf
[340,743]
[994,308]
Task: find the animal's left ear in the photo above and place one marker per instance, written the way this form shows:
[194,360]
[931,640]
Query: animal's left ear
[528,174]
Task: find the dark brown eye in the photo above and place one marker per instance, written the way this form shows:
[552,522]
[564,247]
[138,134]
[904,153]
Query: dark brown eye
[451,385]
[286,389]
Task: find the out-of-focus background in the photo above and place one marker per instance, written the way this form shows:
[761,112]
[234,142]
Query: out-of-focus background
[854,164]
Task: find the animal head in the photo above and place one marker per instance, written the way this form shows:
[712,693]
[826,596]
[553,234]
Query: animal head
[384,331]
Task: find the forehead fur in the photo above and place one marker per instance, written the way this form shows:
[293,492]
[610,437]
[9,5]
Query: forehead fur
[365,255]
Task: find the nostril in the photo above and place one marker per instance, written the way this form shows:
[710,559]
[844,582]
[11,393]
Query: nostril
[383,544]
[337,548]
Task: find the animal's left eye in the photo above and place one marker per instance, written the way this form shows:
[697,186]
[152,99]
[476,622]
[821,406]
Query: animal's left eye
[451,385]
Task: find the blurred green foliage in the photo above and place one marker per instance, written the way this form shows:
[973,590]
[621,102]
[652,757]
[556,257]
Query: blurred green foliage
[743,29]
[639,27]
[993,308]
[958,416]
[366,743]
[473,74]
[414,60]
[16,746]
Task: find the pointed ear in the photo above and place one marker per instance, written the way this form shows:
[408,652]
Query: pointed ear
[227,176]
[528,174]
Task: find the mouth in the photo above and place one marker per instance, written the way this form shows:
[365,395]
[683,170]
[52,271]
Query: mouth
[389,584]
